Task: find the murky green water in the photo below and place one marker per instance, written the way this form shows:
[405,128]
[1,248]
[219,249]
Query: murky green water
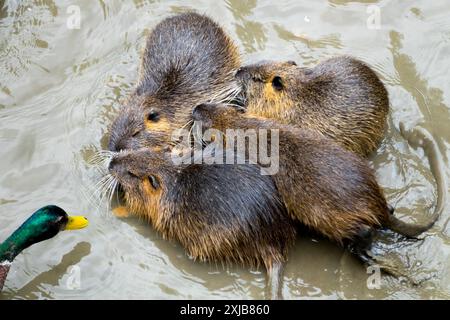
[61,87]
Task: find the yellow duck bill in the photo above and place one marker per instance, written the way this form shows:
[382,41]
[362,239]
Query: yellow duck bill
[76,222]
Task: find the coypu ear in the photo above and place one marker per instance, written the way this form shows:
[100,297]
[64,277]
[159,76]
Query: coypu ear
[291,62]
[153,182]
[277,83]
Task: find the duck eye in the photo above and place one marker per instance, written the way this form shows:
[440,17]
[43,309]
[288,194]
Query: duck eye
[153,182]
[153,116]
[277,83]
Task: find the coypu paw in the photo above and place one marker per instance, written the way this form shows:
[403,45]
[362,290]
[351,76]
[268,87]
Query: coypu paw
[121,212]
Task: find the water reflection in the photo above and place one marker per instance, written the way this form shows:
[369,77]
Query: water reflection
[36,288]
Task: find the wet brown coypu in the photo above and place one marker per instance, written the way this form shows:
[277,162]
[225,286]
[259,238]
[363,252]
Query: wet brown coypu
[341,97]
[324,186]
[198,206]
[188,59]
[163,102]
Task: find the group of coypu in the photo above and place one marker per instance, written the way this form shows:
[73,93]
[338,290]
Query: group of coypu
[329,119]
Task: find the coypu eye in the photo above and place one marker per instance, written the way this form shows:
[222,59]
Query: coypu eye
[153,182]
[135,133]
[153,116]
[277,83]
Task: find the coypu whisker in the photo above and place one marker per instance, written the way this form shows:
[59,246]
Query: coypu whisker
[105,190]
[96,159]
[100,190]
[232,95]
[101,158]
[227,94]
[87,195]
[111,192]
[186,124]
[98,186]
[234,105]
[106,181]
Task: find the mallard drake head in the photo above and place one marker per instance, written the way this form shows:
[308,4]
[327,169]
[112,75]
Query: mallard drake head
[43,224]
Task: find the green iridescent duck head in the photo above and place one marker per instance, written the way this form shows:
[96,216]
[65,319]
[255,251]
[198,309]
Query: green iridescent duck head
[43,224]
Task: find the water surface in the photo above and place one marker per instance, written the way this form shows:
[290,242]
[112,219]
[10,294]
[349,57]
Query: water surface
[61,87]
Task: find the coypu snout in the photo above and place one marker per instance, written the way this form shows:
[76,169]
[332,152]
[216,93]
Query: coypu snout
[119,168]
[199,112]
[248,73]
[126,130]
[132,169]
[242,73]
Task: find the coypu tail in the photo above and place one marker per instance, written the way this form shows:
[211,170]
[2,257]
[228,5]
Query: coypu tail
[419,137]
[410,230]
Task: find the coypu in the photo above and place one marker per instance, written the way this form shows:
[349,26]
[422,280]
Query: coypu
[342,98]
[188,59]
[163,101]
[324,186]
[362,235]
[198,206]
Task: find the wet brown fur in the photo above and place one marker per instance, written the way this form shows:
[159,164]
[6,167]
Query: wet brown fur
[198,206]
[327,188]
[188,59]
[342,98]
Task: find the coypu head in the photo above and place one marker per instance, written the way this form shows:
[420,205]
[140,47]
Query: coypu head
[144,121]
[268,83]
[188,59]
[142,176]
[188,54]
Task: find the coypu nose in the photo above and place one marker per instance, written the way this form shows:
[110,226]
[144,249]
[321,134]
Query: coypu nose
[199,109]
[242,73]
[117,166]
[112,164]
[117,144]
